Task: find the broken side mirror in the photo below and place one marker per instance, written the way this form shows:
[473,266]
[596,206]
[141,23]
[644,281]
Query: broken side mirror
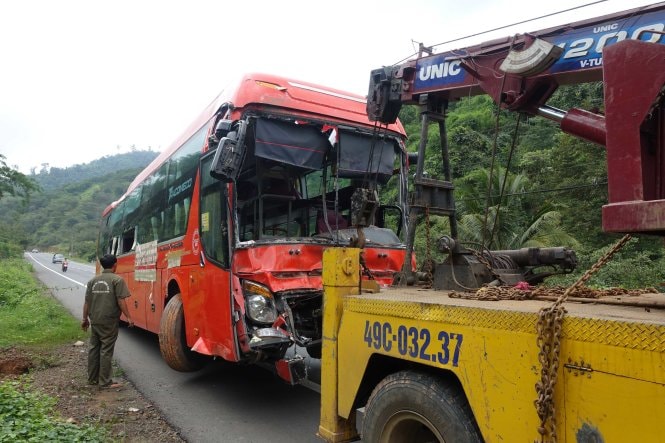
[222,128]
[227,161]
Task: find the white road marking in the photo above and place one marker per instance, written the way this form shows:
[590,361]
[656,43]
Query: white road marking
[56,272]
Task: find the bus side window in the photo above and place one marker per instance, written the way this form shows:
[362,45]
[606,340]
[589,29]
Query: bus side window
[144,230]
[128,240]
[186,203]
[177,218]
[179,215]
[113,249]
[153,203]
[156,226]
[169,222]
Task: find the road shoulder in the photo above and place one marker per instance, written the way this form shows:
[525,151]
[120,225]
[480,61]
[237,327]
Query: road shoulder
[60,373]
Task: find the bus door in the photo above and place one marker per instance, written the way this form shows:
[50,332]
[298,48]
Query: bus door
[210,285]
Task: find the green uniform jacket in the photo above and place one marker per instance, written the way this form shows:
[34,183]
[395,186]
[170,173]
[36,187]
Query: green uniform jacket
[102,295]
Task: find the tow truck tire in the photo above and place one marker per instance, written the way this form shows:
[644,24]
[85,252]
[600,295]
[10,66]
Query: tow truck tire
[172,341]
[411,406]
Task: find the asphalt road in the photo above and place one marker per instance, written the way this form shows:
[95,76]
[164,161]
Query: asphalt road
[221,403]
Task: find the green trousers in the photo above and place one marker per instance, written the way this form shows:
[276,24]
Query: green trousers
[100,354]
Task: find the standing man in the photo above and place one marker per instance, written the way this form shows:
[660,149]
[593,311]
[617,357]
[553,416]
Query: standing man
[105,297]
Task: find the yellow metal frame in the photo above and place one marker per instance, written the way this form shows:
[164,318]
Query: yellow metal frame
[341,276]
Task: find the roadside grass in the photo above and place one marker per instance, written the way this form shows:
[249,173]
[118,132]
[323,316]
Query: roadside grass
[28,315]
[33,320]
[29,416]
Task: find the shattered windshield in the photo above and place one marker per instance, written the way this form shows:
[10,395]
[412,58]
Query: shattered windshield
[297,180]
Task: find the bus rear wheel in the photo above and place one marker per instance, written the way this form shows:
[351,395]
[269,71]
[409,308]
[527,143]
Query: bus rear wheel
[172,340]
[411,406]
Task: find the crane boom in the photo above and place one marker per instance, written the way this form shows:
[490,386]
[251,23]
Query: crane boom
[460,73]
[625,50]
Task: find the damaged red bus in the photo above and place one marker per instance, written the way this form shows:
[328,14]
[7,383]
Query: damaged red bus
[220,239]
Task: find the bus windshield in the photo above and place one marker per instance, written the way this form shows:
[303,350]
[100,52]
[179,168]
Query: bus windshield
[298,177]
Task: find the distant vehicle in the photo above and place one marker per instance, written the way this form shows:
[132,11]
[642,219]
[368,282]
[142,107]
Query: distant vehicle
[35,251]
[58,258]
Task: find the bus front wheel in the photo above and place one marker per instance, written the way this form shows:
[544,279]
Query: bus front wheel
[172,340]
[411,406]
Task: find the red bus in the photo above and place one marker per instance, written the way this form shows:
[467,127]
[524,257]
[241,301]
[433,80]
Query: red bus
[220,239]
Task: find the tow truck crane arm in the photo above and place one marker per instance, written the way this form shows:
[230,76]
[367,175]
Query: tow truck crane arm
[521,73]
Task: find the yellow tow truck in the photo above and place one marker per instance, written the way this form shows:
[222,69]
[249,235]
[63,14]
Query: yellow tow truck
[420,366]
[430,363]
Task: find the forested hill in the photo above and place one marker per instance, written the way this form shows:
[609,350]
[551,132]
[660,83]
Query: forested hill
[64,216]
[52,178]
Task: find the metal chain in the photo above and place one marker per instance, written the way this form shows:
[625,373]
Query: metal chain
[591,293]
[494,293]
[360,240]
[483,260]
[549,327]
[428,265]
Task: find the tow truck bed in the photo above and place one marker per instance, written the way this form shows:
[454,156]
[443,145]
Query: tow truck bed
[412,302]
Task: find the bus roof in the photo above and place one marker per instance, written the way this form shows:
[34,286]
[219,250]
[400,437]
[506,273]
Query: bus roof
[270,92]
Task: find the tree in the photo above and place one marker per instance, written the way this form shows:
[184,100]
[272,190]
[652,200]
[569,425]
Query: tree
[13,183]
[510,221]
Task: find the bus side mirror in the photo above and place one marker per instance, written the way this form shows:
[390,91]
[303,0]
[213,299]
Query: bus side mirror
[222,128]
[227,161]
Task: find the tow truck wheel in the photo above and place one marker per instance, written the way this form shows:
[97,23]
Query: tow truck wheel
[411,406]
[172,341]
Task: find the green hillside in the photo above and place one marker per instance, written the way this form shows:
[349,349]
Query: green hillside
[53,178]
[64,216]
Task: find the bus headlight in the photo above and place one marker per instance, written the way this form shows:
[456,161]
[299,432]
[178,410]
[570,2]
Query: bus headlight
[259,302]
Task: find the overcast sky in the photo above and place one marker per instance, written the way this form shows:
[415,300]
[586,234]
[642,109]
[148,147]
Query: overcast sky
[83,79]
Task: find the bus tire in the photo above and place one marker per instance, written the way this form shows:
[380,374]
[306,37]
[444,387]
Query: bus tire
[172,341]
[410,406]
